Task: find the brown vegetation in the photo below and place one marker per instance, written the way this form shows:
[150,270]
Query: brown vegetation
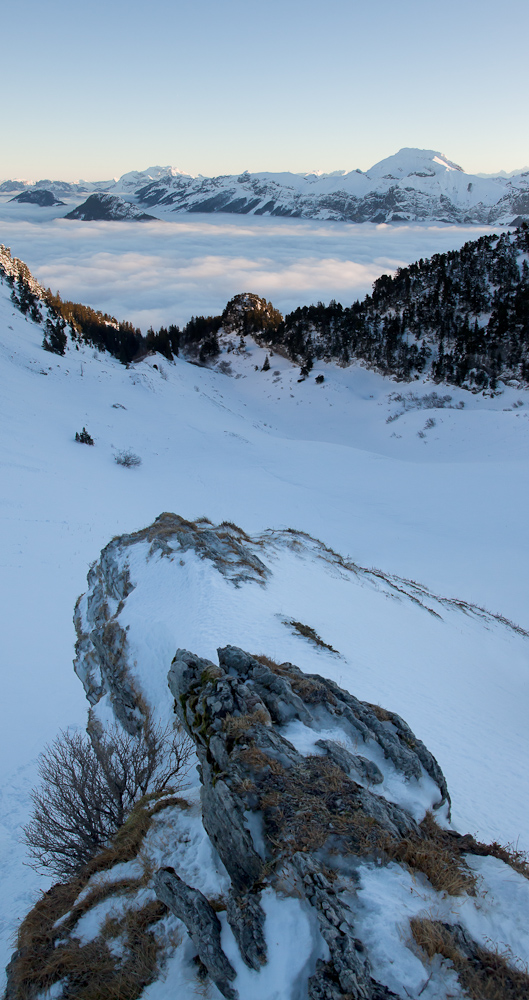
[484,974]
[309,689]
[47,953]
[307,632]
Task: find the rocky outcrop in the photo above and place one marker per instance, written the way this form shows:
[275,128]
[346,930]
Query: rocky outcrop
[301,791]
[102,655]
[202,924]
[275,814]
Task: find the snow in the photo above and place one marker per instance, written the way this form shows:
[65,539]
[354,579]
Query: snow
[262,450]
[288,920]
[390,897]
[416,796]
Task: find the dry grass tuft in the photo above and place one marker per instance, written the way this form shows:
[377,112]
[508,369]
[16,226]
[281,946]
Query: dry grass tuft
[306,804]
[307,632]
[314,802]
[267,661]
[382,714]
[129,838]
[444,869]
[236,726]
[307,688]
[485,975]
[92,971]
[509,853]
[235,527]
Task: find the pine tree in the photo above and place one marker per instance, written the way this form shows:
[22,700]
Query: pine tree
[55,338]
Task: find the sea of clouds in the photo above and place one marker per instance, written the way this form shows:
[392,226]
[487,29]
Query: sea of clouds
[154,273]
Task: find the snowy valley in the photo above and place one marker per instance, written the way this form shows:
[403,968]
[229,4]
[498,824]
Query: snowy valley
[371,533]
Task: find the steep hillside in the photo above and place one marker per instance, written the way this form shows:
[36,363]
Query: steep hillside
[460,318]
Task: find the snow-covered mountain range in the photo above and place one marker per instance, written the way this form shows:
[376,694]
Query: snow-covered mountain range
[412,185]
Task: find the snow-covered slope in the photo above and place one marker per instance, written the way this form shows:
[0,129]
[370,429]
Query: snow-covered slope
[412,185]
[108,207]
[445,507]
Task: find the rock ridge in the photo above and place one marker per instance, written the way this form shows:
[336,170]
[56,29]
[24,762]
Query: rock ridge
[277,816]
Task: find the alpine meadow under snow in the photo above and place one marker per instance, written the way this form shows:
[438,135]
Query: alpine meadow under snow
[369,531]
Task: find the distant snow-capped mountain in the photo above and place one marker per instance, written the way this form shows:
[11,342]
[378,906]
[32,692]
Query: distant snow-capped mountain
[413,185]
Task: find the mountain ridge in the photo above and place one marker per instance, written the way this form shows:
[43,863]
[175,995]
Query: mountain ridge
[411,185]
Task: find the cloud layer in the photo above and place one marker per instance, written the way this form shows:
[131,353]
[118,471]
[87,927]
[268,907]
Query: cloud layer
[164,272]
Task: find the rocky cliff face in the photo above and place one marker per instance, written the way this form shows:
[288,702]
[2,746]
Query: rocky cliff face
[312,857]
[276,815]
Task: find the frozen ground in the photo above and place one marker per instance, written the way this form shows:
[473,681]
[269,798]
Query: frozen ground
[447,509]
[165,272]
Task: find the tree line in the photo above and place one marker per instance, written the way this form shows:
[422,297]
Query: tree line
[461,317]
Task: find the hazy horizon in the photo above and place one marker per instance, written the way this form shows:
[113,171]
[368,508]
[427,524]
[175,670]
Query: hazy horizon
[36,178]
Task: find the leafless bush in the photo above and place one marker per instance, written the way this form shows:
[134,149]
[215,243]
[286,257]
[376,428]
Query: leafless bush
[128,459]
[89,788]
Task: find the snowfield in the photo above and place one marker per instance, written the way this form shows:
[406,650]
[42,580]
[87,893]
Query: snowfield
[436,494]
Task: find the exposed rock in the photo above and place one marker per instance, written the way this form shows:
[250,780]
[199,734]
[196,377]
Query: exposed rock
[367,769]
[101,647]
[253,778]
[203,926]
[279,686]
[282,796]
[246,919]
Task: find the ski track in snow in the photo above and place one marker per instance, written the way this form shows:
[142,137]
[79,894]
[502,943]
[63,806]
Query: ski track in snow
[262,450]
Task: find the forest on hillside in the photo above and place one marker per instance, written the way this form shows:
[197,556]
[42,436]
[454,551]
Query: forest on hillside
[460,318]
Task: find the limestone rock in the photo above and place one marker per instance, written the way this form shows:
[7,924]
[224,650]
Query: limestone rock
[203,926]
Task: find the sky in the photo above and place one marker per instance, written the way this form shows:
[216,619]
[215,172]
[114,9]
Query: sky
[219,87]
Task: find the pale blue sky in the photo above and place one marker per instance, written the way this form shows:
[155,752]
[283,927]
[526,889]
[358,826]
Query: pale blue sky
[219,86]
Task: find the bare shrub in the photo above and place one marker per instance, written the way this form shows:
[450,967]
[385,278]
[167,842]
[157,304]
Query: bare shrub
[89,788]
[128,459]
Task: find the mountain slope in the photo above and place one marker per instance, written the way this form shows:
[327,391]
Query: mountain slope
[461,318]
[304,797]
[412,185]
[99,207]
[258,448]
